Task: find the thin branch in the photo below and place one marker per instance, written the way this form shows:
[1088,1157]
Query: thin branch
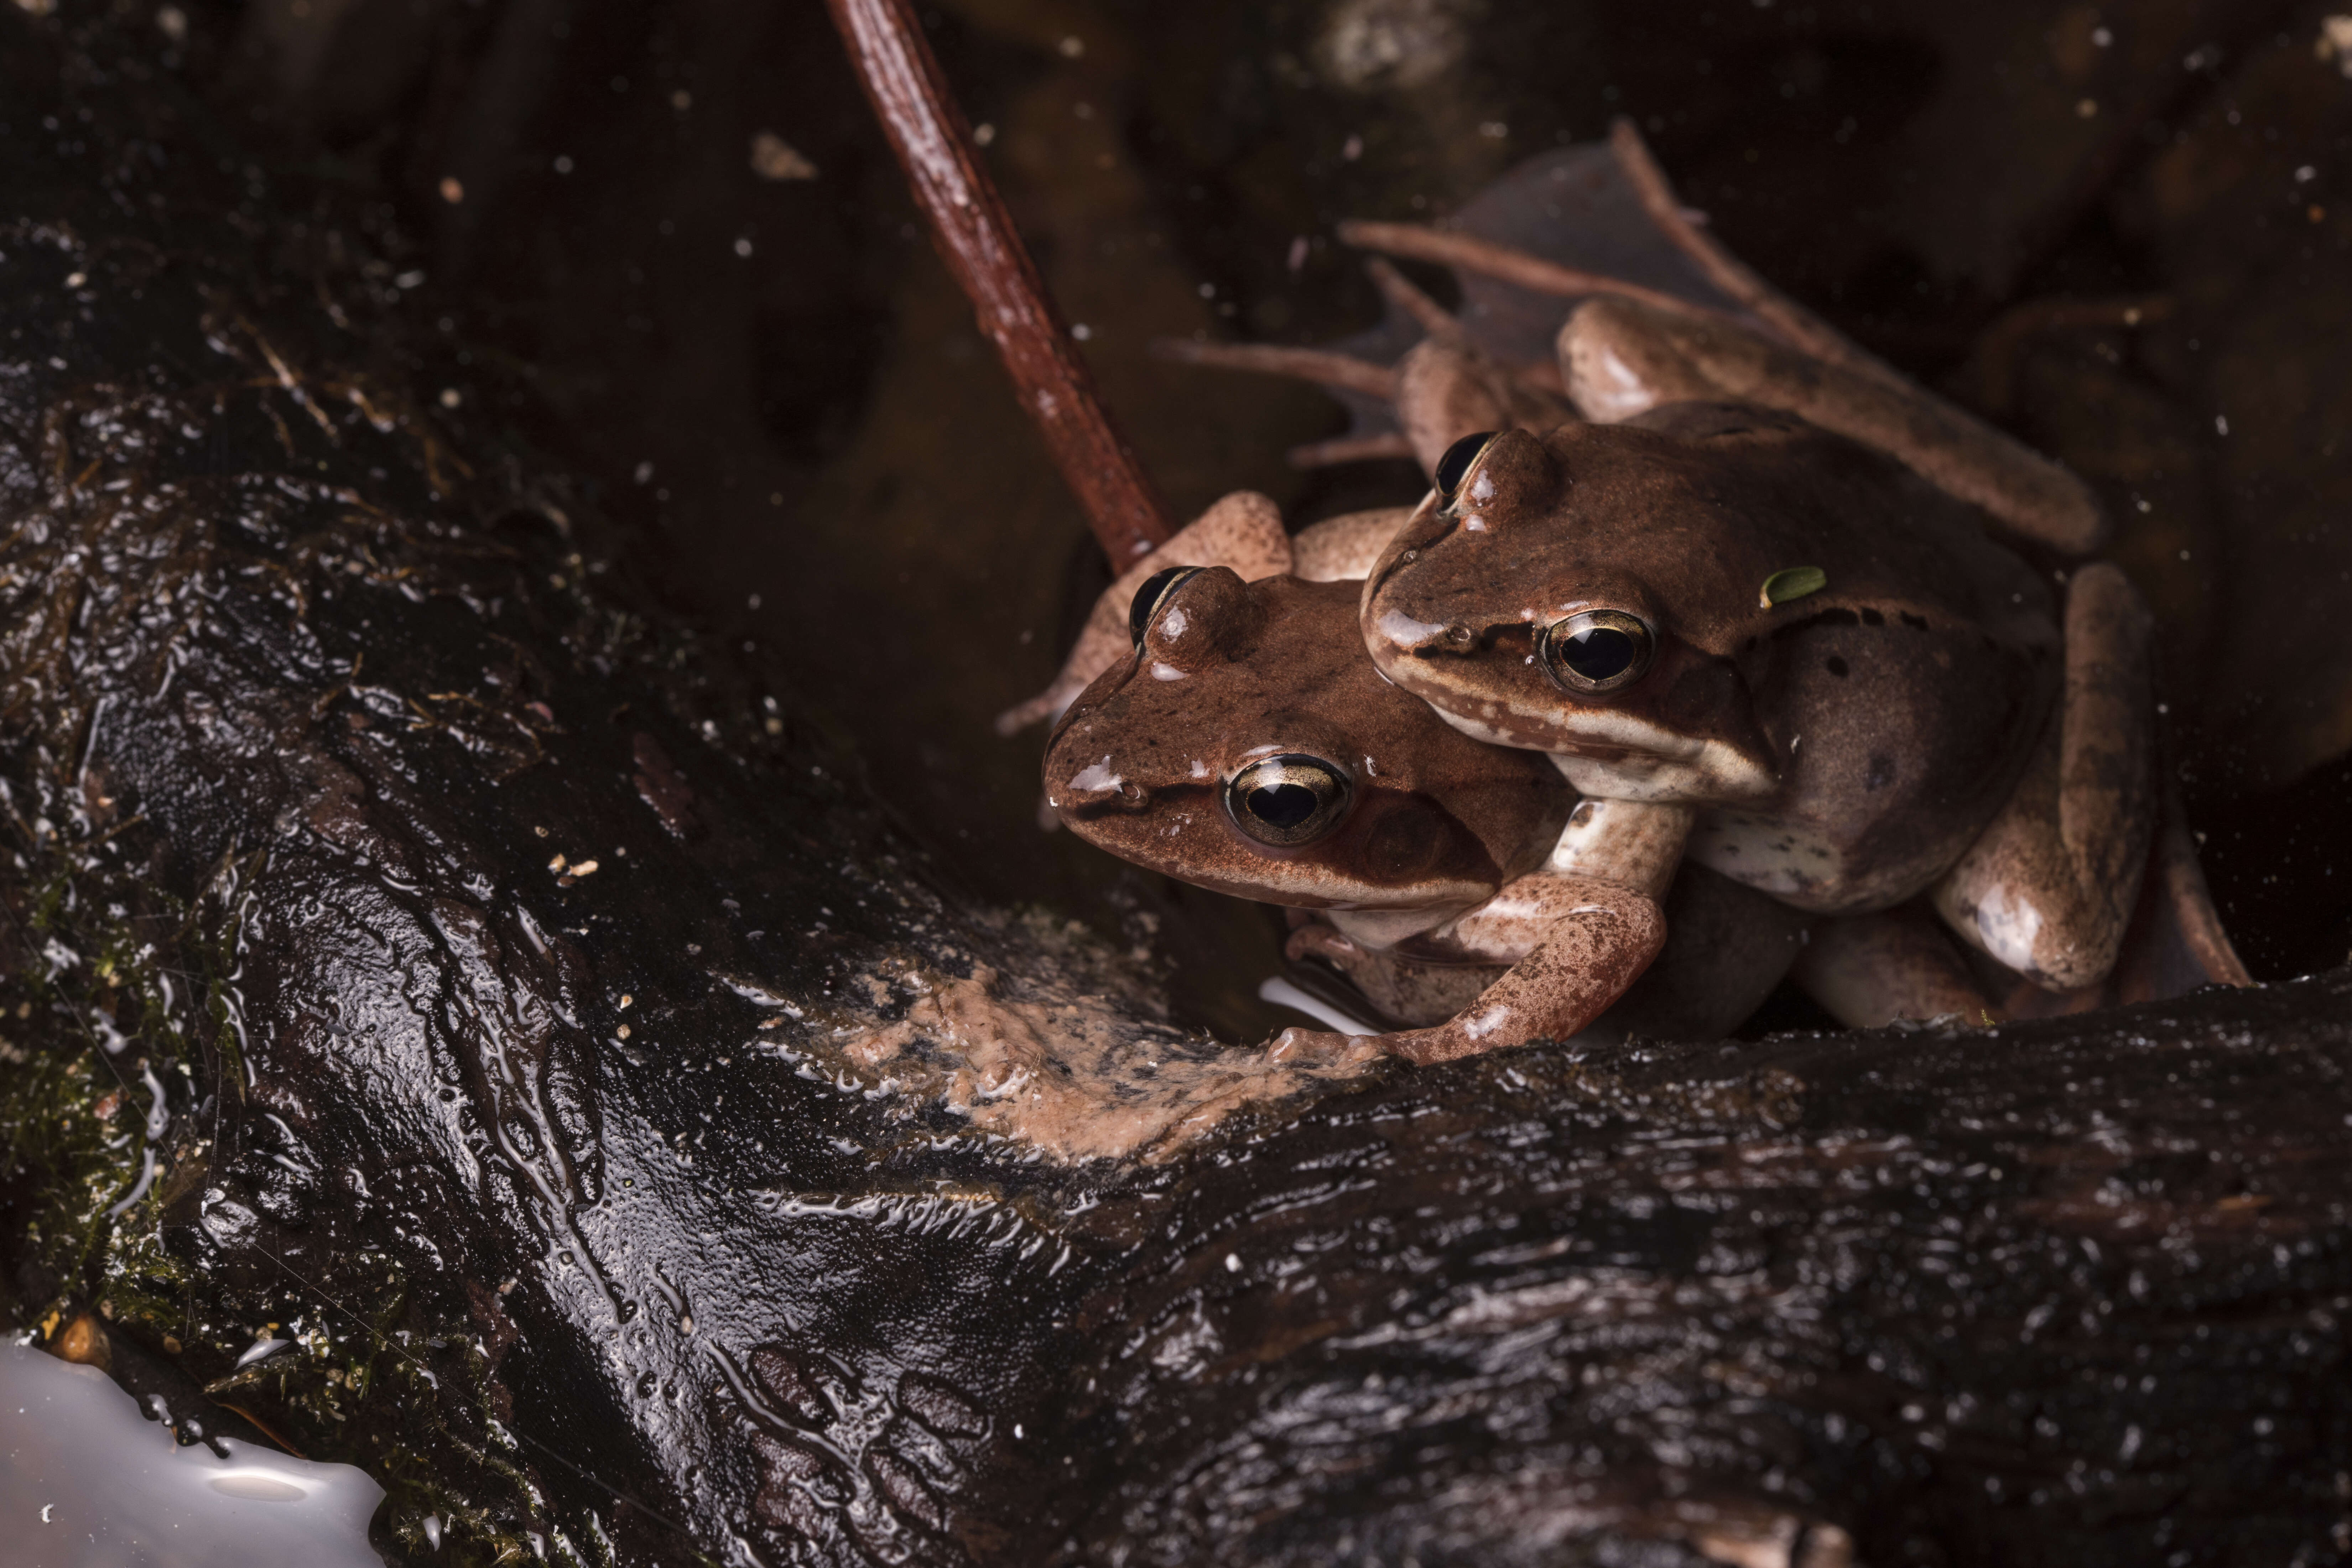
[1318,365]
[975,236]
[1350,450]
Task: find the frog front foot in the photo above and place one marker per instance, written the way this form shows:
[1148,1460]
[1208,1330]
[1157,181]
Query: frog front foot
[1584,940]
[1399,989]
[1323,1048]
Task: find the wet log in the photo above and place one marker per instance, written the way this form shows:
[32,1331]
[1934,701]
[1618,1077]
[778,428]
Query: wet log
[422,952]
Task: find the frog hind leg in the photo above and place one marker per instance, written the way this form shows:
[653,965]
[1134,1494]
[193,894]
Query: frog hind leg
[2049,888]
[1447,389]
[1243,530]
[2176,943]
[1342,549]
[1621,358]
[1594,939]
[1870,970]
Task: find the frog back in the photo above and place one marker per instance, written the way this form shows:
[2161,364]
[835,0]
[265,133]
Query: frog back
[1900,700]
[1842,671]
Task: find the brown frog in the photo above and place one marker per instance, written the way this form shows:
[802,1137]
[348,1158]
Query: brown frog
[1302,692]
[1247,745]
[1799,658]
[2000,758]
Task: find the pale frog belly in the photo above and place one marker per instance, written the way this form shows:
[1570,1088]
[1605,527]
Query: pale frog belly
[1795,863]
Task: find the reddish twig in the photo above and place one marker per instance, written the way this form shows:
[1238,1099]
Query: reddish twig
[976,238]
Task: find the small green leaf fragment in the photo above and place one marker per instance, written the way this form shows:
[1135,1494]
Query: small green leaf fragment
[1793,583]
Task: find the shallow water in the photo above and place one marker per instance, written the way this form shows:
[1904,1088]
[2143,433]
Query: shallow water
[89,1482]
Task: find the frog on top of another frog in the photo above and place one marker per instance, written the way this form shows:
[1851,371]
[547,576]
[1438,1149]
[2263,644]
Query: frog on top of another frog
[1795,616]
[1778,606]
[1794,655]
[1246,744]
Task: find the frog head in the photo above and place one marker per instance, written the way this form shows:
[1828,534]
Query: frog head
[1650,601]
[1570,594]
[1250,747]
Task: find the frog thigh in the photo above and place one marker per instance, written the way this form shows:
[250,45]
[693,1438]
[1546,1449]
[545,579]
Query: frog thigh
[1727,947]
[1596,939]
[1243,530]
[1871,970]
[1343,549]
[1446,389]
[1618,363]
[1621,358]
[2174,944]
[2048,889]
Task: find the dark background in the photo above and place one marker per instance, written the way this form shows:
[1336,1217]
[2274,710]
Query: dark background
[2066,1292]
[774,387]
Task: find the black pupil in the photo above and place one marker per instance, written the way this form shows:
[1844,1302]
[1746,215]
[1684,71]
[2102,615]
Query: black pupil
[1598,653]
[1455,464]
[1146,599]
[1282,804]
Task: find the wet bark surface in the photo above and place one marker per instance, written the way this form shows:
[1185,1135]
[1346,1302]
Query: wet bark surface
[424,948]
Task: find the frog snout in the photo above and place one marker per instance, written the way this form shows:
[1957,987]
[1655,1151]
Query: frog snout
[1396,631]
[1098,784]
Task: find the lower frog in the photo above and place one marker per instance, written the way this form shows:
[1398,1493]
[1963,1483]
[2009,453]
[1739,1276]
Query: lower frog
[1246,744]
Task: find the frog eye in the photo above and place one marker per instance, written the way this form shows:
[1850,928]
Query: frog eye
[1150,596]
[1455,467]
[1288,800]
[1596,650]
